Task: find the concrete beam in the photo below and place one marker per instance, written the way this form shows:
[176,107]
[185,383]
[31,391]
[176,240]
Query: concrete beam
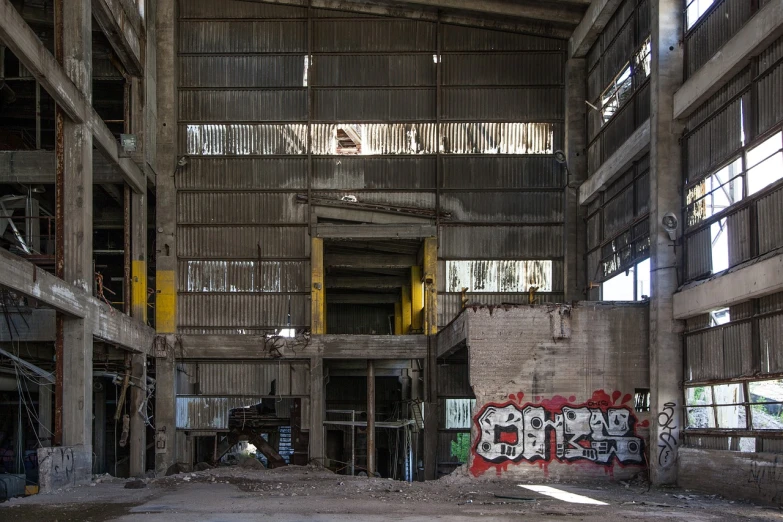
[634,147]
[546,11]
[368,231]
[528,26]
[23,42]
[748,282]
[370,261]
[589,29]
[453,335]
[105,322]
[249,347]
[371,299]
[385,282]
[761,30]
[123,31]
[30,167]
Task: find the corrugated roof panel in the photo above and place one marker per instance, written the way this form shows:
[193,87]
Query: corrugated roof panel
[243,140]
[514,104]
[373,35]
[509,207]
[374,104]
[501,242]
[493,171]
[217,173]
[240,208]
[236,37]
[243,310]
[248,242]
[461,38]
[375,70]
[502,69]
[256,71]
[364,172]
[244,276]
[245,105]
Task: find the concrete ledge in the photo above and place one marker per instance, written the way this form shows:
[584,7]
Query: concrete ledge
[332,346]
[749,282]
[64,467]
[633,148]
[589,29]
[745,476]
[760,31]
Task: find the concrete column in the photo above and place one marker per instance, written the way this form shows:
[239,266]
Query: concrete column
[665,183]
[138,416]
[165,191]
[430,286]
[45,428]
[431,416]
[165,413]
[73,151]
[576,162]
[99,429]
[371,418]
[317,410]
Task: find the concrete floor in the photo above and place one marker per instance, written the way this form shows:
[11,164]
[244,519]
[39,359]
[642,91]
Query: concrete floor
[297,493]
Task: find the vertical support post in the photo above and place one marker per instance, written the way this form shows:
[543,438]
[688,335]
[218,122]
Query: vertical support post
[406,310]
[417,300]
[73,153]
[126,250]
[318,287]
[665,182]
[99,433]
[165,411]
[139,257]
[45,414]
[317,407]
[166,157]
[138,416]
[430,286]
[576,170]
[398,318]
[370,418]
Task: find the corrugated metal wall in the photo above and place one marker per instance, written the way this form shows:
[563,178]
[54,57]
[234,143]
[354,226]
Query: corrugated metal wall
[714,29]
[620,43]
[262,90]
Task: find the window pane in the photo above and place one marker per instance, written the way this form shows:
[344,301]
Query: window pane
[766,173]
[643,280]
[703,417]
[731,417]
[618,288]
[765,150]
[715,193]
[766,391]
[719,317]
[698,395]
[697,8]
[728,394]
[767,416]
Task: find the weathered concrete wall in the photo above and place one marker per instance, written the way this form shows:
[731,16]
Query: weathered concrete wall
[64,466]
[746,476]
[554,388]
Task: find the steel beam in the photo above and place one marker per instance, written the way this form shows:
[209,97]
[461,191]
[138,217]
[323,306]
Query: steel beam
[123,30]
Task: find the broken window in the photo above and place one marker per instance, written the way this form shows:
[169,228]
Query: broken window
[753,405]
[631,285]
[498,276]
[720,246]
[715,193]
[618,92]
[720,317]
[694,10]
[766,404]
[765,163]
[642,400]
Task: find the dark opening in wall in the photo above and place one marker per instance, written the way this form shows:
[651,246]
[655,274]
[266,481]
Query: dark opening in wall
[642,399]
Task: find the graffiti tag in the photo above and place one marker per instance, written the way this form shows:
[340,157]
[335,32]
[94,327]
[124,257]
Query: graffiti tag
[667,438]
[62,462]
[597,431]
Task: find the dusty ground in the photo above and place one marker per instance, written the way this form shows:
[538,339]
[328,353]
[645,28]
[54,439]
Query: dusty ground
[306,493]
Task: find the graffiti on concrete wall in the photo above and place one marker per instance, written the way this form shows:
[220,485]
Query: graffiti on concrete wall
[599,431]
[667,438]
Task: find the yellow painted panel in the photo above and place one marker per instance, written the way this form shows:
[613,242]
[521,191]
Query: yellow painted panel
[139,290]
[406,310]
[397,318]
[166,302]
[417,299]
[317,288]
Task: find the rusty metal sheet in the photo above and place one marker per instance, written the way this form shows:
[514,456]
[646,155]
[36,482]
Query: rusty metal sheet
[232,173]
[235,310]
[244,242]
[244,276]
[239,208]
